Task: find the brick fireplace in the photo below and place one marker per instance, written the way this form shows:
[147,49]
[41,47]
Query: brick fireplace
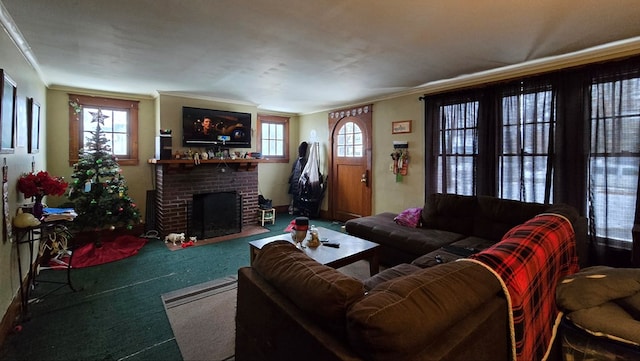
[175,187]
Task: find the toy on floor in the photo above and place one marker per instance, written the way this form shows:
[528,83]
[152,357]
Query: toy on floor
[174,238]
[191,242]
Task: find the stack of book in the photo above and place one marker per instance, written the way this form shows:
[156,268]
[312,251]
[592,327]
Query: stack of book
[59,214]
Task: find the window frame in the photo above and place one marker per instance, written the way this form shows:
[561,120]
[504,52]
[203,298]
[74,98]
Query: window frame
[76,141]
[273,119]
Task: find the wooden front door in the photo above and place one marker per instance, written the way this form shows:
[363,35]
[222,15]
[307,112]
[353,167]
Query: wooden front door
[350,180]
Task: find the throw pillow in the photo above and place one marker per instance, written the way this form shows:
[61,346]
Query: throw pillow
[410,217]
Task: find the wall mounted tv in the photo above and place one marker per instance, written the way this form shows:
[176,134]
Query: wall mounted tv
[215,128]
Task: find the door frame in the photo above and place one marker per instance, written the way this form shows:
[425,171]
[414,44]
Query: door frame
[364,116]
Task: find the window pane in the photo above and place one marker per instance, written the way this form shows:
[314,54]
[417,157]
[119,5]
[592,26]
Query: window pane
[272,139]
[350,143]
[119,143]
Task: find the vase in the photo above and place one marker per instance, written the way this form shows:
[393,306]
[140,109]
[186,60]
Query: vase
[38,207]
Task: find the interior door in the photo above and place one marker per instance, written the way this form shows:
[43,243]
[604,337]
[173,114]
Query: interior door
[350,181]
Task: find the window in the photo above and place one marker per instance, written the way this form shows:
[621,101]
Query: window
[527,132]
[569,136]
[120,127]
[273,138]
[350,143]
[614,158]
[458,148]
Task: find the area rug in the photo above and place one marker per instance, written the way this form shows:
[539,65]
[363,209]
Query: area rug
[246,232]
[202,318]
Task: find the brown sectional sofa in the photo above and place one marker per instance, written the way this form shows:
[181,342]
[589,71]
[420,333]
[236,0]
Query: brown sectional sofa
[471,222]
[290,307]
[293,308]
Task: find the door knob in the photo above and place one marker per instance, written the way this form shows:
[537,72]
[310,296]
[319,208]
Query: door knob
[363,178]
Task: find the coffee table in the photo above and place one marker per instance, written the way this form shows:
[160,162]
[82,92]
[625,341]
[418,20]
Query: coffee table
[352,249]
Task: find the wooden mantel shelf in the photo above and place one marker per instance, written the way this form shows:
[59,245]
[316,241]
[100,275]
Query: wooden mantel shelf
[239,164]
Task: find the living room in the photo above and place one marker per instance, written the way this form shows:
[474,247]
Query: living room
[163,111]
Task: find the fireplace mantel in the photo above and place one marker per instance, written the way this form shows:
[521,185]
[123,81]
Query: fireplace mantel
[237,164]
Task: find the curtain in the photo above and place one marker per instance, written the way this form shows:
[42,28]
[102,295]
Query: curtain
[570,136]
[526,142]
[614,156]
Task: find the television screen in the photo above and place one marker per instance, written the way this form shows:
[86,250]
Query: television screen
[208,128]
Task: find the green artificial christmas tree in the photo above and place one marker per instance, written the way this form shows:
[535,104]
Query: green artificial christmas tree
[98,191]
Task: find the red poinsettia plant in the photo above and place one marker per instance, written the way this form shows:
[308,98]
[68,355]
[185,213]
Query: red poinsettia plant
[41,184]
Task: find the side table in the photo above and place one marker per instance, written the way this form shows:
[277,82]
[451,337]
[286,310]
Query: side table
[267,215]
[46,233]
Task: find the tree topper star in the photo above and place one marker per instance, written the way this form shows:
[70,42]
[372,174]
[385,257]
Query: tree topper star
[98,117]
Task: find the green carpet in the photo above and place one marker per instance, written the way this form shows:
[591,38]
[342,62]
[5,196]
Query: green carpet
[118,314]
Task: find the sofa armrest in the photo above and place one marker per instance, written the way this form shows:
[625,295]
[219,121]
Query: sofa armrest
[270,327]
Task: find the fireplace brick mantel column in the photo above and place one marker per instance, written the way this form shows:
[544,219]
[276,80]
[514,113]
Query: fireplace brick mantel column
[175,186]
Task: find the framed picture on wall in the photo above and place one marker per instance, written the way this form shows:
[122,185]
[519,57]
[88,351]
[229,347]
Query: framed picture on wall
[21,122]
[34,125]
[401,126]
[8,92]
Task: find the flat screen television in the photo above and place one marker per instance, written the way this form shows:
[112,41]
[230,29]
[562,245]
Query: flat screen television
[215,128]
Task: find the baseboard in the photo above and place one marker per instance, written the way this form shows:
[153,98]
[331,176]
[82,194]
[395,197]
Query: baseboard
[285,209]
[11,317]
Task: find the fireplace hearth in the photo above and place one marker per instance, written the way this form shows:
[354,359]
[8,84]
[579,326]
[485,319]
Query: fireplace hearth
[214,214]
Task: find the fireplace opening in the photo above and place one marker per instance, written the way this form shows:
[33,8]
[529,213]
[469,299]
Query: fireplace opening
[215,214]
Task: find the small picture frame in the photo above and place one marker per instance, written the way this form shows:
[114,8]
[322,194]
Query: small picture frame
[401,126]
[8,92]
[34,125]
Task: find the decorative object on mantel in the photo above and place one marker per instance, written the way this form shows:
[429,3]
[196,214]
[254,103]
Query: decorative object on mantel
[348,113]
[99,193]
[38,185]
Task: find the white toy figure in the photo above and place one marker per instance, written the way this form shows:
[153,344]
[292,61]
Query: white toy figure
[174,238]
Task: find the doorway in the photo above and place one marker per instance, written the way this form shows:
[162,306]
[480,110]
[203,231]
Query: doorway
[350,179]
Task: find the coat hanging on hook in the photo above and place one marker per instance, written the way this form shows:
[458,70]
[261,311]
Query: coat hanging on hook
[400,158]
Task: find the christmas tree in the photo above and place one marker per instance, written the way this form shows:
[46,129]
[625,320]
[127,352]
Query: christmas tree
[99,192]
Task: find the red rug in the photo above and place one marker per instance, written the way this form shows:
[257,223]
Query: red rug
[89,255]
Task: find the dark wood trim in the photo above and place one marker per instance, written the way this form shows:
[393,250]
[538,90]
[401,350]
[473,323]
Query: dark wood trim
[96,101]
[237,164]
[273,119]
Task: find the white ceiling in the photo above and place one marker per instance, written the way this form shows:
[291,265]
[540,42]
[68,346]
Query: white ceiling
[301,56]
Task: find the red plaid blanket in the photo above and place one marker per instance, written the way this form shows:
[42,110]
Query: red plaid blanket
[529,261]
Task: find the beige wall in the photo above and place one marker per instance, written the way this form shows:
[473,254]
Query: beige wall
[28,85]
[388,195]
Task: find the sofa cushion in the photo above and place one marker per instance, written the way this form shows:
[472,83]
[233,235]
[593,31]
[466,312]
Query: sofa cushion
[321,291]
[449,212]
[495,216]
[382,229]
[398,318]
[402,269]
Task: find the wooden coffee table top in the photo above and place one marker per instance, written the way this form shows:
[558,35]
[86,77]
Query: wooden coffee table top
[351,249]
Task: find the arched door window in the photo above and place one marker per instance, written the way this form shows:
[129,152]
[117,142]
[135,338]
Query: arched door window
[350,142]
